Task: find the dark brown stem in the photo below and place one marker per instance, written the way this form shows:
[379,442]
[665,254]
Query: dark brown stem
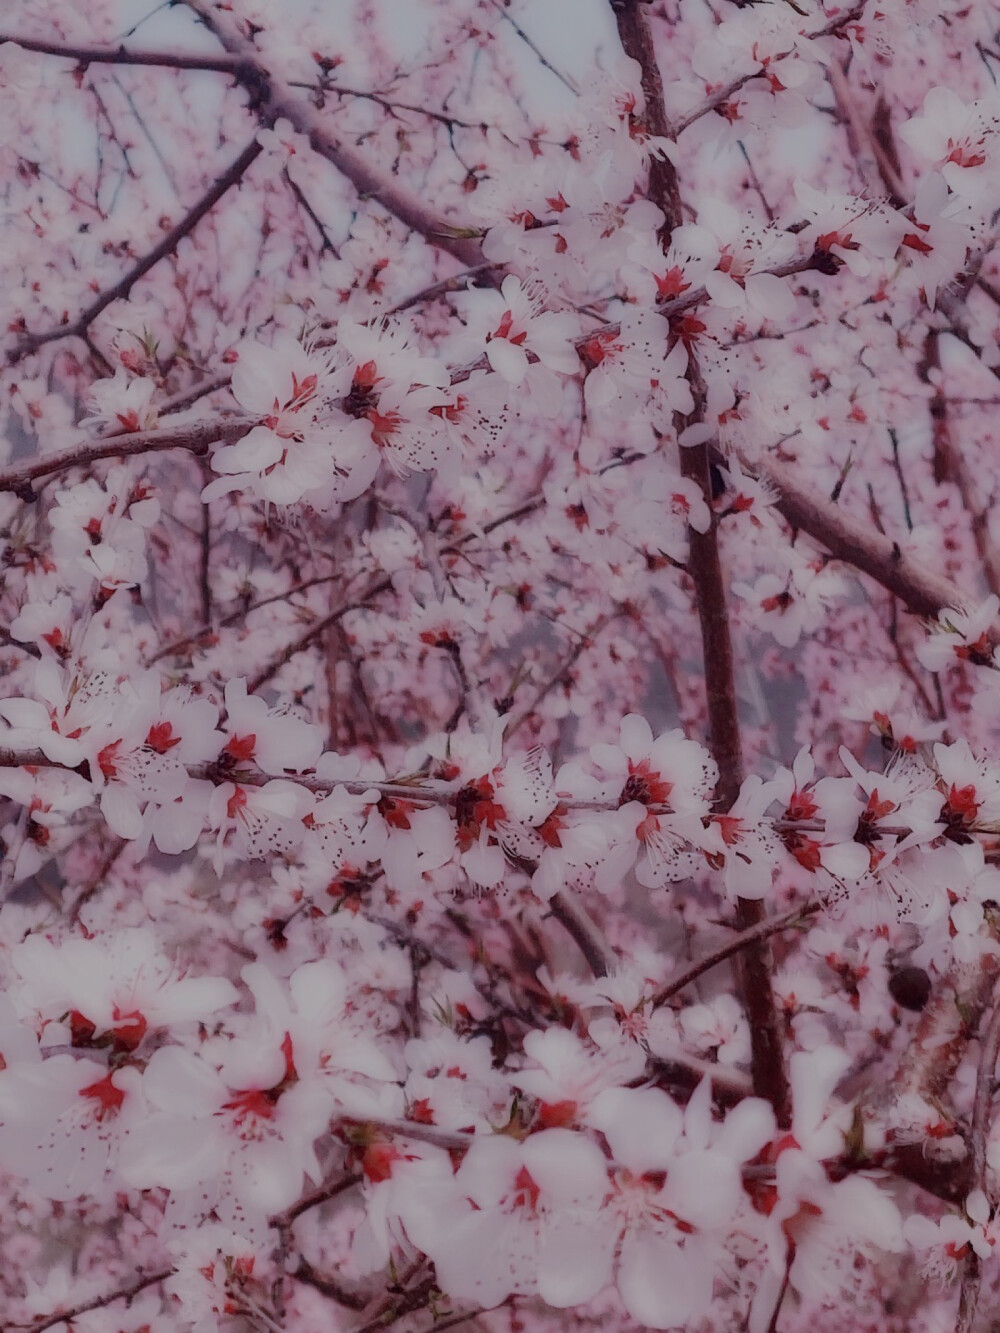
[570,913]
[745,938]
[637,43]
[195,437]
[981,1107]
[123,55]
[97,1302]
[321,1194]
[273,100]
[754,965]
[857,543]
[328,1286]
[950,465]
[31,342]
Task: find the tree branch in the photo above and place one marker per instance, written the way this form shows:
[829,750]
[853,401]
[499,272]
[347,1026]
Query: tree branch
[123,55]
[195,437]
[31,342]
[97,1302]
[637,43]
[754,963]
[982,1105]
[571,913]
[272,100]
[847,538]
[763,931]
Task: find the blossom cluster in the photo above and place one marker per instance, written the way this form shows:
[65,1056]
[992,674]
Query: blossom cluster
[553,877]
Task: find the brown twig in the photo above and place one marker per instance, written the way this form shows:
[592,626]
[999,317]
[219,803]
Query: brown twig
[981,1107]
[571,913]
[754,966]
[195,437]
[637,43]
[327,1286]
[920,589]
[763,931]
[329,1189]
[97,1302]
[31,342]
[272,100]
[123,55]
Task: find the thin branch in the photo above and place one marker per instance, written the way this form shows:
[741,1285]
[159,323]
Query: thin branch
[722,95]
[457,283]
[330,1189]
[704,565]
[97,1302]
[981,1107]
[919,588]
[123,55]
[564,79]
[571,913]
[762,931]
[637,43]
[195,437]
[272,100]
[327,1285]
[31,342]
[950,465]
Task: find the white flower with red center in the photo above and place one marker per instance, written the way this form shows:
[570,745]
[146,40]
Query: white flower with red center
[212,1266]
[944,1245]
[666,785]
[746,248]
[959,137]
[71,723]
[265,821]
[516,1219]
[657,277]
[452,1083]
[48,622]
[141,771]
[371,358]
[569,1073]
[748,850]
[623,365]
[99,530]
[901,725]
[787,605]
[512,323]
[818,1231]
[239,1140]
[870,819]
[961,636]
[64,1123]
[677,1193]
[109,991]
[502,814]
[850,230]
[275,740]
[328,1038]
[121,404]
[658,521]
[302,444]
[408,431]
[942,230]
[971,788]
[415,838]
[284,383]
